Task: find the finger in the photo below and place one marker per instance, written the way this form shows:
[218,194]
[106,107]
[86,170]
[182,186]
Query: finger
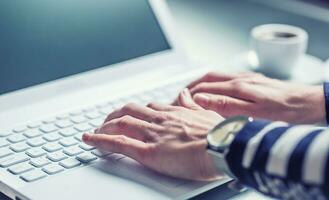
[131,127]
[137,111]
[118,144]
[185,100]
[162,107]
[213,77]
[225,105]
[235,89]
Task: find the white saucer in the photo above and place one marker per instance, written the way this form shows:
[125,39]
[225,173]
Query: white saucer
[309,69]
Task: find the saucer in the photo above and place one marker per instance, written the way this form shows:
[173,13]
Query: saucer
[309,69]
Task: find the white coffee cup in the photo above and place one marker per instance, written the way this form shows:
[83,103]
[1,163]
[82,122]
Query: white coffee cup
[278,48]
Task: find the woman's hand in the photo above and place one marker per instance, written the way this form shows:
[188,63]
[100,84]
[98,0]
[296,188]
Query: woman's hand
[260,97]
[167,139]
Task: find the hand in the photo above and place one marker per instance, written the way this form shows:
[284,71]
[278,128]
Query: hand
[165,138]
[260,97]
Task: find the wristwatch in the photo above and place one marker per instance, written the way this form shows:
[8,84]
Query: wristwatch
[220,138]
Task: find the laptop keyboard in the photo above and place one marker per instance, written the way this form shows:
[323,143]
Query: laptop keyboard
[48,147]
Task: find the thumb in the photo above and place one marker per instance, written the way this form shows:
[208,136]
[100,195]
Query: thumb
[130,147]
[185,100]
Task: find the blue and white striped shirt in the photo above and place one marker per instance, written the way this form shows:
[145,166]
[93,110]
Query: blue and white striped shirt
[283,160]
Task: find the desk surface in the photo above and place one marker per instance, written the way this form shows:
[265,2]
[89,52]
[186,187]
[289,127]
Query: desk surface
[214,31]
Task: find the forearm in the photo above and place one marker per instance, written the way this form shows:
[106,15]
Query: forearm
[281,160]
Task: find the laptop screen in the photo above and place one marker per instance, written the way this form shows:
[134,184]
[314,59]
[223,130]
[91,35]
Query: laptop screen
[44,40]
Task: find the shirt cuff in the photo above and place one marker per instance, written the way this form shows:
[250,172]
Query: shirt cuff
[236,151]
[326,96]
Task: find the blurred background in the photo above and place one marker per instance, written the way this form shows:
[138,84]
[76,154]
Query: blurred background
[215,31]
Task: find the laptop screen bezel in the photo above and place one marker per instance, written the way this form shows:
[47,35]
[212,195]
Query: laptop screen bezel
[98,76]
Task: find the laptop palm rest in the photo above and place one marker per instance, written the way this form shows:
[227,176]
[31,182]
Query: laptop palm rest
[124,179]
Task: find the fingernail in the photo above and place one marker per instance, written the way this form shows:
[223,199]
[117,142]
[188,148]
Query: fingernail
[86,137]
[186,91]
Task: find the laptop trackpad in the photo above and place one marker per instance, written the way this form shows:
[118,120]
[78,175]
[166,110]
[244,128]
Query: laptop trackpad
[124,179]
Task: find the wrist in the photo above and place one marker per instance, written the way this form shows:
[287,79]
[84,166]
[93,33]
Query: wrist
[317,105]
[208,169]
[307,106]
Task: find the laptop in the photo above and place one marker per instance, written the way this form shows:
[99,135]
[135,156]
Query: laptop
[66,64]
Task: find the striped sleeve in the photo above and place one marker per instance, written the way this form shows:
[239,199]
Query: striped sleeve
[282,160]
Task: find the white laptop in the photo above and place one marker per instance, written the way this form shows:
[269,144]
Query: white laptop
[66,64]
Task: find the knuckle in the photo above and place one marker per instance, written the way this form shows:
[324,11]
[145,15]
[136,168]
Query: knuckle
[151,105]
[160,117]
[124,121]
[128,107]
[222,104]
[119,142]
[237,86]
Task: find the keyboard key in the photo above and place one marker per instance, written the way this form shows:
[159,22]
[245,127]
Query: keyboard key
[78,119]
[63,123]
[76,112]
[102,105]
[5,152]
[19,147]
[63,116]
[86,157]
[70,163]
[96,122]
[86,147]
[35,152]
[99,153]
[5,133]
[4,143]
[48,128]
[36,142]
[66,142]
[51,147]
[116,156]
[79,137]
[14,159]
[73,151]
[51,137]
[83,127]
[33,175]
[106,110]
[93,115]
[53,169]
[20,168]
[49,120]
[20,129]
[39,162]
[56,156]
[68,132]
[89,109]
[119,103]
[35,124]
[16,138]
[33,133]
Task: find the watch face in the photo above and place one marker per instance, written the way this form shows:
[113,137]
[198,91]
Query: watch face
[223,135]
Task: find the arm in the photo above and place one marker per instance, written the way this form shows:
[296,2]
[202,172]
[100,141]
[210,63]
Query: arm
[281,160]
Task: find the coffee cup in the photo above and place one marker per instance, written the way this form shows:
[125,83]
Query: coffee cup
[278,48]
